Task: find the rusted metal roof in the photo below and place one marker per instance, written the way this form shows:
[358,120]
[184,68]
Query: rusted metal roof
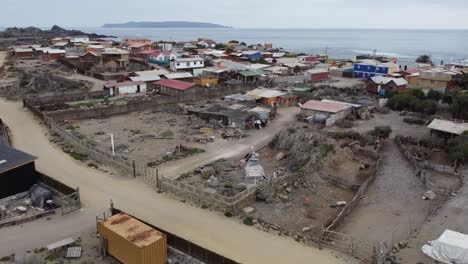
[132,230]
[175,84]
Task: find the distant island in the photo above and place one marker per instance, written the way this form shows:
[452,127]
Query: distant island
[166,24]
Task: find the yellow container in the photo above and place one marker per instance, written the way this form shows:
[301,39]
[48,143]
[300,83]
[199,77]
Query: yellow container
[133,242]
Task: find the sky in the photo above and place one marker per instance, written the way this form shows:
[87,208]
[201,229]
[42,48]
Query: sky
[405,14]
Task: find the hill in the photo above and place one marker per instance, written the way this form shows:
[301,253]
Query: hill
[166,24]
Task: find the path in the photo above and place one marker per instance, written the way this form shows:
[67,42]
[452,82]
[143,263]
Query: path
[233,148]
[2,57]
[208,229]
[393,202]
[98,85]
[453,215]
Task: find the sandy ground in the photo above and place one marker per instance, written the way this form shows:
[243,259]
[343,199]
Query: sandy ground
[452,216]
[2,57]
[206,228]
[393,204]
[341,82]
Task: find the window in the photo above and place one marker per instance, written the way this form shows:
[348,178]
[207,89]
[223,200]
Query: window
[178,64]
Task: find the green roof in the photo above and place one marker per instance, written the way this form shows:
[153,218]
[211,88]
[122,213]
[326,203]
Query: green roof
[302,89]
[252,73]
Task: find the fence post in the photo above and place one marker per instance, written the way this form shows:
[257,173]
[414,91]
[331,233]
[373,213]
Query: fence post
[134,169]
[157,179]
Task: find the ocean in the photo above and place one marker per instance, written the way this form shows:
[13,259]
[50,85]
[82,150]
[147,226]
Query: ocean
[406,45]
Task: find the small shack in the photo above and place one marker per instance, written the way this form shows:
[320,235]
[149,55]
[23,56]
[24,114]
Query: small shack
[268,97]
[327,111]
[175,87]
[131,241]
[122,88]
[447,128]
[381,85]
[17,171]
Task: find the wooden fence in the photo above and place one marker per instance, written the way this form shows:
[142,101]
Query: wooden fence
[354,202]
[347,244]
[199,196]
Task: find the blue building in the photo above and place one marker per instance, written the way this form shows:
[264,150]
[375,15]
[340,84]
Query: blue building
[369,69]
[252,55]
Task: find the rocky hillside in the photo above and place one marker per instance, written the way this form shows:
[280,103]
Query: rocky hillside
[55,31]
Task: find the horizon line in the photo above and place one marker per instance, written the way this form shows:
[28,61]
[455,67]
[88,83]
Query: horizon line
[232,27]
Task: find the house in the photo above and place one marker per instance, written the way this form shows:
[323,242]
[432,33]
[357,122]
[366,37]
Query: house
[147,76]
[241,115]
[123,88]
[325,112]
[447,127]
[436,78]
[129,42]
[23,53]
[58,40]
[54,54]
[319,74]
[207,43]
[251,55]
[175,87]
[412,76]
[82,39]
[63,45]
[381,85]
[268,97]
[137,48]
[165,46]
[366,69]
[95,48]
[89,57]
[187,63]
[189,46]
[161,57]
[187,76]
[309,58]
[17,171]
[251,76]
[114,58]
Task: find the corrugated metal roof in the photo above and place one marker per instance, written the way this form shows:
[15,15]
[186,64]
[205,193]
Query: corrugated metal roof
[151,78]
[117,84]
[252,73]
[266,93]
[134,231]
[179,75]
[11,158]
[317,71]
[174,84]
[448,126]
[328,107]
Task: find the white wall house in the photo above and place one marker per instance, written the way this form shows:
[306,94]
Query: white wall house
[123,88]
[82,39]
[187,63]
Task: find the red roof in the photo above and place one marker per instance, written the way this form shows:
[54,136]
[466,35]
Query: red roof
[148,52]
[175,84]
[117,84]
[320,106]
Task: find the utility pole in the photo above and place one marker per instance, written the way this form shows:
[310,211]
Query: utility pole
[326,54]
[112,144]
[375,53]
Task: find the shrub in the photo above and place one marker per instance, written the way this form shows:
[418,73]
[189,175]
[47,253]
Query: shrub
[228,214]
[418,93]
[428,107]
[434,95]
[52,257]
[228,186]
[381,131]
[458,148]
[248,221]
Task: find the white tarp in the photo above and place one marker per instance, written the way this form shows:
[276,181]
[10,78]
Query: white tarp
[451,248]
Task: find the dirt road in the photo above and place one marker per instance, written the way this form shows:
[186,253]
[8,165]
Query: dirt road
[208,229]
[98,85]
[452,216]
[393,204]
[2,57]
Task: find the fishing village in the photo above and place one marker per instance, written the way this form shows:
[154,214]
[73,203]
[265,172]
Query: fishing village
[136,150]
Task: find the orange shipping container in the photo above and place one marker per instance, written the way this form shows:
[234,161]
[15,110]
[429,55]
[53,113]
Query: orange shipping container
[133,242]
